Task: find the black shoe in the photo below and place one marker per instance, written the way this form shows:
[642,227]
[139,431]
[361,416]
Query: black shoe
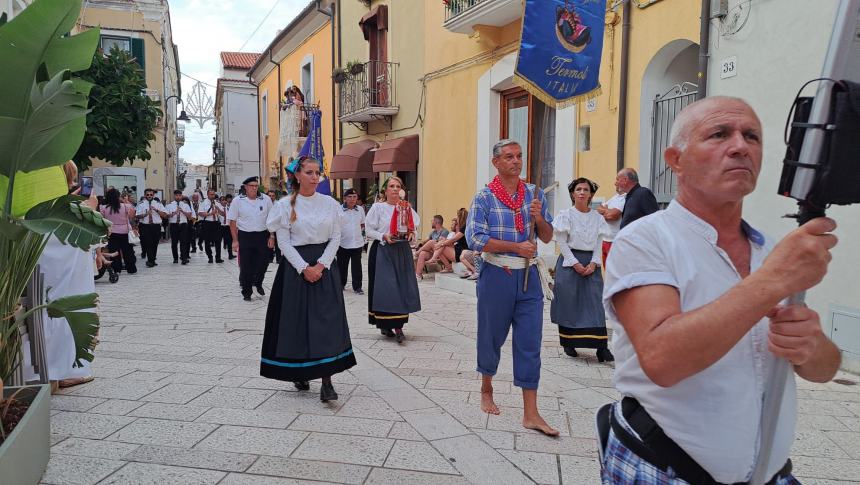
[571,351]
[387,332]
[302,385]
[604,355]
[231,257]
[399,336]
[219,260]
[260,290]
[210,260]
[184,261]
[100,274]
[327,393]
[150,264]
[246,297]
[359,292]
[175,260]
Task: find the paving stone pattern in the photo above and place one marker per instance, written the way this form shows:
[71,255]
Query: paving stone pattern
[178,399]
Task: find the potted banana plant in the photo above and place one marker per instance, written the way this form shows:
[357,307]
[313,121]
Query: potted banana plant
[43,112]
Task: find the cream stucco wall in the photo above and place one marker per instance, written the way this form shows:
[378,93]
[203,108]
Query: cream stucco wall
[770,28]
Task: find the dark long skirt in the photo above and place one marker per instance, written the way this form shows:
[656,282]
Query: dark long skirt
[392,292]
[306,335]
[577,307]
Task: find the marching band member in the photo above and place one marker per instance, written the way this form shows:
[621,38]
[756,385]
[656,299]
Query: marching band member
[247,219]
[179,214]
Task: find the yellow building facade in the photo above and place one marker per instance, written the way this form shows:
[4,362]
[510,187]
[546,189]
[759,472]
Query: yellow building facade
[472,101]
[300,55]
[382,107]
[143,28]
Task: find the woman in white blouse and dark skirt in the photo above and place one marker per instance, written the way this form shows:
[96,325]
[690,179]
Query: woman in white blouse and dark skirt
[393,291]
[577,307]
[306,335]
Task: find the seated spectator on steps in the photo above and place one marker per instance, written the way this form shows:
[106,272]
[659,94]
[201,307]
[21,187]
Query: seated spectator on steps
[426,247]
[448,251]
[469,259]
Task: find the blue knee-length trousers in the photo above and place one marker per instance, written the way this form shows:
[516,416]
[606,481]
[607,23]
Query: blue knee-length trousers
[503,305]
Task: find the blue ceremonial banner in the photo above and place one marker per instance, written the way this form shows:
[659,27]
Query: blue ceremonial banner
[313,148]
[560,48]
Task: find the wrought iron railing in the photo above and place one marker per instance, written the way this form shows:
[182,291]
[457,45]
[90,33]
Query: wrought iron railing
[374,87]
[456,7]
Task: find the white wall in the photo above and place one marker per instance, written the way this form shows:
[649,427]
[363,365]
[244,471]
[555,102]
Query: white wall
[239,135]
[782,46]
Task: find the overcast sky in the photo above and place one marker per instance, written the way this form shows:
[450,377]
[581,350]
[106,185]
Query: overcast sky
[204,28]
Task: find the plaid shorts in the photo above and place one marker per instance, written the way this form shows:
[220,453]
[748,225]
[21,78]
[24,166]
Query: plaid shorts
[623,467]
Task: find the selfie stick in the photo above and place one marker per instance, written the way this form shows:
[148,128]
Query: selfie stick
[842,62]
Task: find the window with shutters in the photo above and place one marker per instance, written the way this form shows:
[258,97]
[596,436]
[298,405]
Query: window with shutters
[131,45]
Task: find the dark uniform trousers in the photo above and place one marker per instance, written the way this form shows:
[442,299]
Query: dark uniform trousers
[227,237]
[212,236]
[344,256]
[180,239]
[254,255]
[150,236]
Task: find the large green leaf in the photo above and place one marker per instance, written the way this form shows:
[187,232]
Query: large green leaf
[84,325]
[33,188]
[35,37]
[42,112]
[68,220]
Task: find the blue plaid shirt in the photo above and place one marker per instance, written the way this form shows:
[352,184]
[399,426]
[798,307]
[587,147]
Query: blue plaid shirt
[489,219]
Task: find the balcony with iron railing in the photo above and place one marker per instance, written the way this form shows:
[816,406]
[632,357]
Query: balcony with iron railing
[461,16]
[218,154]
[370,94]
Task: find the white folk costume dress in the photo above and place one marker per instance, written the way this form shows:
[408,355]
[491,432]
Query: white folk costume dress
[577,308]
[392,290]
[306,335]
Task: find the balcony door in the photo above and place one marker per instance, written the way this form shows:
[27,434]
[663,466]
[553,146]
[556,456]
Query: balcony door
[375,27]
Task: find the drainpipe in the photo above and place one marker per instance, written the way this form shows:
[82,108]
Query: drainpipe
[259,128]
[339,63]
[278,101]
[622,100]
[704,48]
[331,17]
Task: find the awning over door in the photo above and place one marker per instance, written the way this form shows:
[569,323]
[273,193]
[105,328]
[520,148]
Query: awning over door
[398,154]
[353,161]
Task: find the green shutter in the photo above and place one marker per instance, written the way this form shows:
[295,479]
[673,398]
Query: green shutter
[139,52]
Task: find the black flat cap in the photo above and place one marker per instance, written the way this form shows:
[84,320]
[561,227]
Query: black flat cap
[250,179]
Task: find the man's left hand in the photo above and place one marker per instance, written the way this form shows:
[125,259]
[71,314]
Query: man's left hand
[535,211]
[271,243]
[795,333]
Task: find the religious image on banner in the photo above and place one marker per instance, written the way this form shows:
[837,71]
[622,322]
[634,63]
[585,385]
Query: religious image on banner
[313,148]
[560,49]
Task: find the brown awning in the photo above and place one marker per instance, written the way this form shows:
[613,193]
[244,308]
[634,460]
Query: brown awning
[399,154]
[353,161]
[377,17]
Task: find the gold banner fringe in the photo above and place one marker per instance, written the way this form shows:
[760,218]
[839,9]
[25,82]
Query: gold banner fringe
[548,99]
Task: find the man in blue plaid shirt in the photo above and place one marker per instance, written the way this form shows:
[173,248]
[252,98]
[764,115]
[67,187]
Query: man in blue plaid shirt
[498,225]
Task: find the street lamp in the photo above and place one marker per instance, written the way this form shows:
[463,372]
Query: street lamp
[182,115]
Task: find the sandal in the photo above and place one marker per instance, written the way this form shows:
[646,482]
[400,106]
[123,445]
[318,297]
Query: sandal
[447,270]
[419,277]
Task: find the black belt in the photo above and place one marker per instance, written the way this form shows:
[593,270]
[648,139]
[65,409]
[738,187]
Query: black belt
[659,450]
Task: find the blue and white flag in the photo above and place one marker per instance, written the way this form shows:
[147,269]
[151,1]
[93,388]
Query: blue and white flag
[313,148]
[560,48]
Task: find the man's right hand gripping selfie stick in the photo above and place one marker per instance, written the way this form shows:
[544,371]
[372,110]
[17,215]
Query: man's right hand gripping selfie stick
[821,168]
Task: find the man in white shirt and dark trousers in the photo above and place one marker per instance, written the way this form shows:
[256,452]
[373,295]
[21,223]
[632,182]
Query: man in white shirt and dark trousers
[611,210]
[179,213]
[351,240]
[149,214]
[698,302]
[210,213]
[251,238]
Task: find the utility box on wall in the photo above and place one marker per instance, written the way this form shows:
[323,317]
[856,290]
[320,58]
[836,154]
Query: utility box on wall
[845,333]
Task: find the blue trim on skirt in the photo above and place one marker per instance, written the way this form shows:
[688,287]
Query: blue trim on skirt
[306,364]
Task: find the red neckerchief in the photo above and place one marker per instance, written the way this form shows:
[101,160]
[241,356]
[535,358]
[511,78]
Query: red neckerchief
[499,191]
[402,205]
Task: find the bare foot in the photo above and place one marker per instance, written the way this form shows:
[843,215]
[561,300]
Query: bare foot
[487,403]
[537,423]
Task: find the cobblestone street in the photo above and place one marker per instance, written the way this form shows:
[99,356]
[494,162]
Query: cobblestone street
[178,399]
